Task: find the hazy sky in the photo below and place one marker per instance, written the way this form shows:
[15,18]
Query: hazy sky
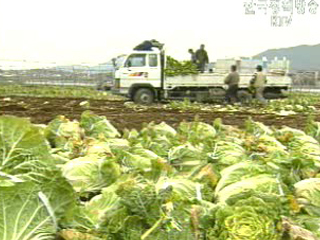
[75,31]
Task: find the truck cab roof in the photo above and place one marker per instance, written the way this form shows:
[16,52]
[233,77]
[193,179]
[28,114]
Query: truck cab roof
[154,50]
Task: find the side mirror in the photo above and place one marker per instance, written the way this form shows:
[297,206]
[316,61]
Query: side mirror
[129,63]
[114,62]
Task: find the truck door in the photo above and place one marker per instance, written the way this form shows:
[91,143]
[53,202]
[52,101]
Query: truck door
[141,68]
[154,75]
[135,70]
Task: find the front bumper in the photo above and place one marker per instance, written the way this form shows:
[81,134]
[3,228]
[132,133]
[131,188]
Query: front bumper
[120,91]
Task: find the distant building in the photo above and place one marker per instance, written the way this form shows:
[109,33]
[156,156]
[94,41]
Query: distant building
[313,6]
[248,65]
[277,64]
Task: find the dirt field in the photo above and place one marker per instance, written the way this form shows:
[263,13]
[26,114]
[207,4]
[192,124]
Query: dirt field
[43,110]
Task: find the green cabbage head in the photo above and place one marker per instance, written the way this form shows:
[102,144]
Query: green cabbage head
[248,219]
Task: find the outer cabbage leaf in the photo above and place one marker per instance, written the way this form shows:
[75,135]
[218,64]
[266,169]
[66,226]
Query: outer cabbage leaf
[179,189]
[163,210]
[261,183]
[270,144]
[239,172]
[225,130]
[208,176]
[310,223]
[72,234]
[140,199]
[308,195]
[257,128]
[305,144]
[97,147]
[25,214]
[144,153]
[286,133]
[118,144]
[61,132]
[91,173]
[52,128]
[185,156]
[197,132]
[227,153]
[313,129]
[161,129]
[131,136]
[60,194]
[293,231]
[97,126]
[20,142]
[105,147]
[159,145]
[100,210]
[26,158]
[297,140]
[136,162]
[158,138]
[304,150]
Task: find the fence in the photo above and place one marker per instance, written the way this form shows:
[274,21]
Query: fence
[69,76]
[306,81]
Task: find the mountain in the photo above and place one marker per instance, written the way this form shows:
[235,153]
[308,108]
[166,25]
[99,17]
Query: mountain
[303,57]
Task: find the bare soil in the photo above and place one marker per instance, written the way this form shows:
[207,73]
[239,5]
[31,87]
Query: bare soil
[43,110]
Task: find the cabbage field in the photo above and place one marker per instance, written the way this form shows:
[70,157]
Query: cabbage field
[77,164]
[41,104]
[85,179]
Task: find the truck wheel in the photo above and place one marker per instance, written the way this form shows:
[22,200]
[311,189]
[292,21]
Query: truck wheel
[143,96]
[244,96]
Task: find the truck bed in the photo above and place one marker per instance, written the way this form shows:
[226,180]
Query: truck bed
[217,80]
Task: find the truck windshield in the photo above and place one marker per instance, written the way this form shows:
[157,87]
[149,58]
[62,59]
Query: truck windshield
[136,60]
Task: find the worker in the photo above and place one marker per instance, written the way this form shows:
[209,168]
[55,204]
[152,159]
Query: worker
[202,58]
[148,45]
[193,56]
[232,80]
[258,82]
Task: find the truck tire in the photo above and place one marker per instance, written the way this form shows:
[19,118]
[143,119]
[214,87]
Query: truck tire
[244,96]
[143,96]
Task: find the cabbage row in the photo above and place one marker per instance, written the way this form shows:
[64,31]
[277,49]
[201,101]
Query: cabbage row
[84,180]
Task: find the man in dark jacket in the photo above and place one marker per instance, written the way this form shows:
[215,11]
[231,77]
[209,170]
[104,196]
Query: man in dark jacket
[202,58]
[193,56]
[148,45]
[232,80]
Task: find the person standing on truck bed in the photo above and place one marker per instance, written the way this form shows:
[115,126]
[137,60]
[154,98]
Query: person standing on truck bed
[148,45]
[258,82]
[232,80]
[193,56]
[202,58]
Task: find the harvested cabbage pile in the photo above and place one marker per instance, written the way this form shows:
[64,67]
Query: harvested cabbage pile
[177,68]
[77,180]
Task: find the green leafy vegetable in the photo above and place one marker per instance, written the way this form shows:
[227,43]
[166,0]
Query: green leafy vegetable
[91,173]
[308,195]
[97,126]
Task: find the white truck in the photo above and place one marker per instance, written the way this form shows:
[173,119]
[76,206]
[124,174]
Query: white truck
[142,78]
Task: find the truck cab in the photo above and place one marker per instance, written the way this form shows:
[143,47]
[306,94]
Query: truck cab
[140,70]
